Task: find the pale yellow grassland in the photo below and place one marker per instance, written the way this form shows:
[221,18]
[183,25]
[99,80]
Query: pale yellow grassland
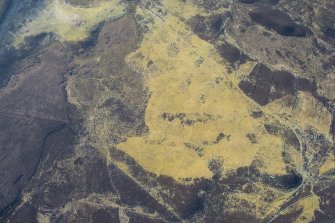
[307,112]
[179,84]
[256,200]
[309,206]
[185,75]
[328,165]
[68,22]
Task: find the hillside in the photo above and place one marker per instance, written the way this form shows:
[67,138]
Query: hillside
[154,111]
